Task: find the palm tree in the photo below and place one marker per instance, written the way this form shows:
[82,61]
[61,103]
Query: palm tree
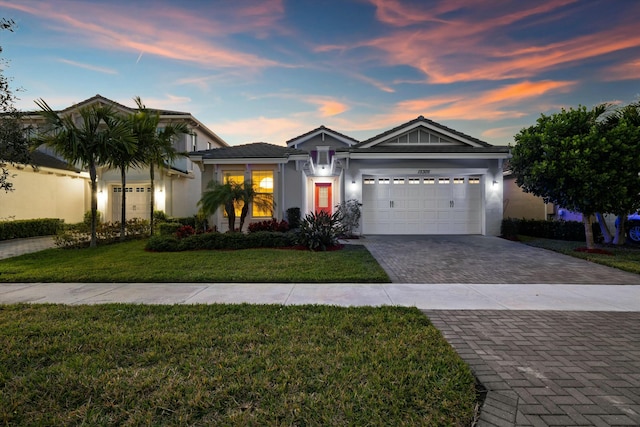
[248,194]
[218,194]
[126,154]
[88,143]
[156,146]
[229,195]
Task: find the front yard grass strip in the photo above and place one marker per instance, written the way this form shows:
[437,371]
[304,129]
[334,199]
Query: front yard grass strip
[129,262]
[626,258]
[235,365]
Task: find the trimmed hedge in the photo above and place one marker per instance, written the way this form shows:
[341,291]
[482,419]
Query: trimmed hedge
[30,228]
[258,239]
[559,230]
[168,228]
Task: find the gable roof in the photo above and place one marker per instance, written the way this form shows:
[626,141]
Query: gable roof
[38,158]
[164,114]
[239,153]
[318,131]
[421,121]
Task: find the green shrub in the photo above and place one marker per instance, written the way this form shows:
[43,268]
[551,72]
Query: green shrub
[271,239]
[558,230]
[87,218]
[227,241]
[160,243]
[293,218]
[269,225]
[30,228]
[349,213]
[319,231]
[160,216]
[168,228]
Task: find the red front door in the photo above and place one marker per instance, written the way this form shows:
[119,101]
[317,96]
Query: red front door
[323,198]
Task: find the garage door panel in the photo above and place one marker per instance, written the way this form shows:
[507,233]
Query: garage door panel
[418,205]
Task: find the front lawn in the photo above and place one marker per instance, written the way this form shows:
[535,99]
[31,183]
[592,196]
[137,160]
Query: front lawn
[228,365]
[625,258]
[129,262]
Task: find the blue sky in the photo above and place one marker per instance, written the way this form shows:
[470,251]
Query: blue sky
[270,70]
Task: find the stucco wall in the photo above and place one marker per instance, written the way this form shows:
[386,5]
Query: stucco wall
[45,195]
[518,204]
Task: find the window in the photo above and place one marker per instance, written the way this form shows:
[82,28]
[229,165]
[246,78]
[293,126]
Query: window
[369,181]
[383,180]
[235,177]
[474,180]
[443,180]
[459,180]
[194,142]
[398,180]
[429,181]
[414,180]
[262,205]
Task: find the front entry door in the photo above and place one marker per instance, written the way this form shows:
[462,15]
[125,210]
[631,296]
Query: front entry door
[323,197]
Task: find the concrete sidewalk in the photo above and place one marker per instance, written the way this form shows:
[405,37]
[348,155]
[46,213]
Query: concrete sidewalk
[423,296]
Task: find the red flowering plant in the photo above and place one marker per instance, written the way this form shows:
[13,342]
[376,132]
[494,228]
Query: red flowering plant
[185,231]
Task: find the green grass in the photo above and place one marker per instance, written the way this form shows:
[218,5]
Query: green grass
[625,258]
[228,365]
[129,262]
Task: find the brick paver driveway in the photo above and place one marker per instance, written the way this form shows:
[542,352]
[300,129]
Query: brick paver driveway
[540,368]
[550,368]
[483,259]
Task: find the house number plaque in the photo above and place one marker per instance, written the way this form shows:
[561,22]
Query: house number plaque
[424,171]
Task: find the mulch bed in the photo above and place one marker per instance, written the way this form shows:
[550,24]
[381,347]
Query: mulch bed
[594,251]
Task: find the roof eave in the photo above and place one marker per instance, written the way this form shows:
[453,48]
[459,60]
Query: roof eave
[400,156]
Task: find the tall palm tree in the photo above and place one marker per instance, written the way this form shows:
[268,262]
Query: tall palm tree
[126,154]
[156,145]
[87,143]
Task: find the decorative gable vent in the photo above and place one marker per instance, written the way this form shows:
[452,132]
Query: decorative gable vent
[420,137]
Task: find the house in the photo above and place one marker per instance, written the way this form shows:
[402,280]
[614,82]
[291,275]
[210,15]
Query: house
[418,178]
[55,189]
[48,188]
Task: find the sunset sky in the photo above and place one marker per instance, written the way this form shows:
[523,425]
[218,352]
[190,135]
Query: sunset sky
[270,70]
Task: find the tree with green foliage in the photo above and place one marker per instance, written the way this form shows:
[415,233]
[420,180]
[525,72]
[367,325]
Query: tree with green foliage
[155,145]
[14,146]
[220,194]
[124,155]
[622,130]
[576,160]
[229,195]
[89,142]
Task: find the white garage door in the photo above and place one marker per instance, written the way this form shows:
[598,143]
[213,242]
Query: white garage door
[138,202]
[421,205]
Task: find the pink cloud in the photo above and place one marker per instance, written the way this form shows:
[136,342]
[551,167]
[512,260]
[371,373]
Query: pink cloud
[163,32]
[625,71]
[88,66]
[328,106]
[275,130]
[473,43]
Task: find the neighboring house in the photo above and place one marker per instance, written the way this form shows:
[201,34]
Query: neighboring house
[418,178]
[48,188]
[53,191]
[521,205]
